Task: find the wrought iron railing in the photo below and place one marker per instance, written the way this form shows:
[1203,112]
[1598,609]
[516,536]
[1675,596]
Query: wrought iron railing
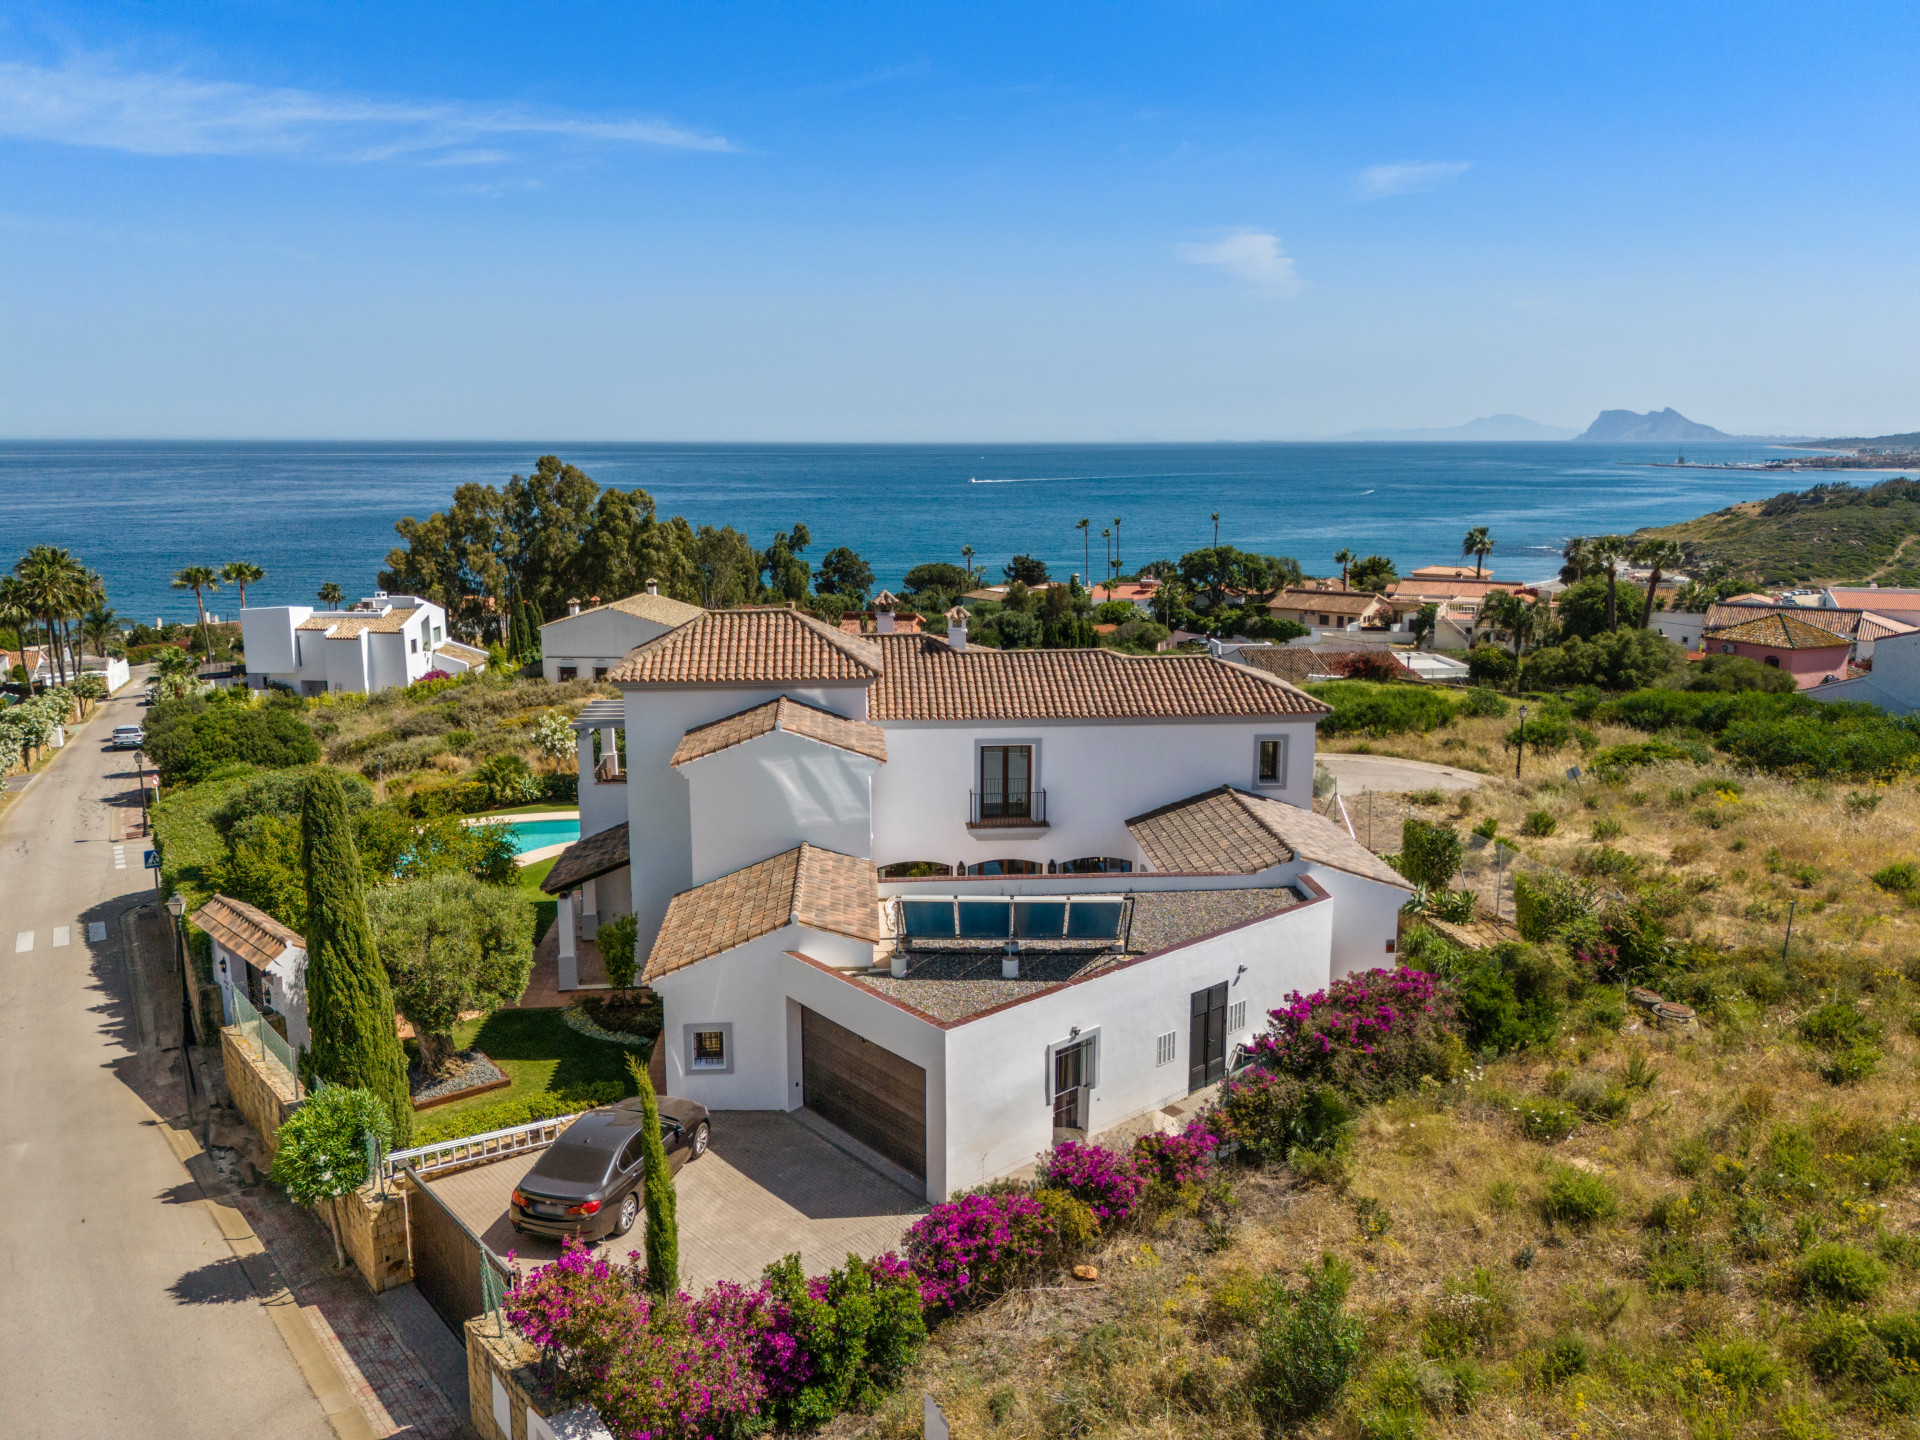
[1006,809]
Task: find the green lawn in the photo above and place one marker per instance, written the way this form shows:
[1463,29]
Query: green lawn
[545,907]
[539,1052]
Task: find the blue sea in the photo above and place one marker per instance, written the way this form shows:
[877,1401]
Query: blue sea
[310,512]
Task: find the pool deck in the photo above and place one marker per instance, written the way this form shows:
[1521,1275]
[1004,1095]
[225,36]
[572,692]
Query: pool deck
[517,818]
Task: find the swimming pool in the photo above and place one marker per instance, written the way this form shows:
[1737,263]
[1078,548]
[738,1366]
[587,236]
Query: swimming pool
[537,834]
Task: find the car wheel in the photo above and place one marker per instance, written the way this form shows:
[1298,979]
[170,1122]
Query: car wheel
[700,1140]
[629,1212]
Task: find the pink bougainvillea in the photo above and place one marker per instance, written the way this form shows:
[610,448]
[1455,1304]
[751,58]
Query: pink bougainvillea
[1179,1158]
[1372,1033]
[1108,1183]
[976,1246]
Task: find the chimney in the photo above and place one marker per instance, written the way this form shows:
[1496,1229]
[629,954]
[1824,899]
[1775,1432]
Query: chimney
[573,607]
[957,628]
[1010,962]
[883,607]
[653,587]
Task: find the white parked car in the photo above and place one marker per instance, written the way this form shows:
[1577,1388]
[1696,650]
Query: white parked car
[127,737]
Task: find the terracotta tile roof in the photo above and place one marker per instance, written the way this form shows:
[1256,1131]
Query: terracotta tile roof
[587,858]
[345,627]
[253,935]
[1468,589]
[1780,632]
[1854,624]
[1228,831]
[821,889]
[660,609]
[1327,602]
[770,645]
[1295,663]
[471,654]
[783,714]
[926,679]
[1449,572]
[1875,596]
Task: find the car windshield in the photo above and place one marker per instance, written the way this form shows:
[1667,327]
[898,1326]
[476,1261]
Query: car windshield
[575,1163]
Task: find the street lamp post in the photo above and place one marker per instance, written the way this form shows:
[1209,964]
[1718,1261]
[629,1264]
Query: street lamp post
[1520,743]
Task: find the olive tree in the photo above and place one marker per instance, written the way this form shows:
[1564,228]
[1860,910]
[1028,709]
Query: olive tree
[451,944]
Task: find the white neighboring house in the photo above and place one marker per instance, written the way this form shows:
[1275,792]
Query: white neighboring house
[383,642]
[1894,682]
[256,955]
[587,644]
[959,901]
[1683,627]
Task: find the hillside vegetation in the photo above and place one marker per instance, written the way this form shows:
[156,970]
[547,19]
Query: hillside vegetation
[1834,532]
[1594,1225]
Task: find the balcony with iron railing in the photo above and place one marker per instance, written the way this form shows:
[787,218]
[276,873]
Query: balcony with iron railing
[1007,810]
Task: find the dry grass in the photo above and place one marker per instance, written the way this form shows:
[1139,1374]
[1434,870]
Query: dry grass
[1161,1346]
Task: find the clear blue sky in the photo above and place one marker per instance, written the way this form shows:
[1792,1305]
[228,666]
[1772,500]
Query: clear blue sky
[923,222]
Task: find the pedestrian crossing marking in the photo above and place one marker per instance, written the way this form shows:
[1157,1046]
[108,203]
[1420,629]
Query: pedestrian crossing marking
[119,857]
[23,942]
[61,935]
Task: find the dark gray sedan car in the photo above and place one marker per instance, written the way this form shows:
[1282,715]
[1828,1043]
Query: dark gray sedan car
[587,1183]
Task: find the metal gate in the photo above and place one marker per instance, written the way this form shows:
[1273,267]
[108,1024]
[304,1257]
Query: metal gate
[452,1266]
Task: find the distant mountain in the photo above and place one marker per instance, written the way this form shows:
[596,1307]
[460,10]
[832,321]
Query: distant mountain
[1664,425]
[1488,427]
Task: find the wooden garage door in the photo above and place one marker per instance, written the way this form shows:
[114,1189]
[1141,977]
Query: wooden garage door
[871,1093]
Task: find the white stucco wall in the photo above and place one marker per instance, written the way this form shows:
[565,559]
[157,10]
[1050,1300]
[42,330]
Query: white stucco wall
[1894,684]
[770,794]
[594,637]
[661,830]
[1366,919]
[1680,627]
[1096,775]
[267,634]
[1001,1117]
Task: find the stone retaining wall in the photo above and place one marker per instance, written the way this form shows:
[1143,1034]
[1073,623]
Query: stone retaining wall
[260,1092]
[373,1231]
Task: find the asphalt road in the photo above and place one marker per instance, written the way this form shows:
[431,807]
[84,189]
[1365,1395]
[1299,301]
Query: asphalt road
[127,1311]
[1388,774]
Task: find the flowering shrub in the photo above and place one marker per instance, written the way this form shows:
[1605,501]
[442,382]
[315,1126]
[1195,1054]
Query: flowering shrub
[1270,1115]
[970,1249]
[799,1349]
[655,1368]
[1371,1033]
[1107,1183]
[1181,1159]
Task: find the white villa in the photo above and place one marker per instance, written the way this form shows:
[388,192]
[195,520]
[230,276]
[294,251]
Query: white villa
[384,641]
[956,901]
[588,644]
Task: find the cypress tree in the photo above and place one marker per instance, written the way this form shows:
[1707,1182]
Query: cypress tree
[663,1225]
[349,1003]
[531,625]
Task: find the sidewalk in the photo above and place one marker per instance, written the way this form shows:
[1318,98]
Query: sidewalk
[543,988]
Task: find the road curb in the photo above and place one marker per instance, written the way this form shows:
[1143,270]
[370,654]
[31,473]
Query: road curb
[317,1367]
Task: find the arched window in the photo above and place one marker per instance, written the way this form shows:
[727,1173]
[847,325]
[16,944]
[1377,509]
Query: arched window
[1007,867]
[1096,865]
[914,870]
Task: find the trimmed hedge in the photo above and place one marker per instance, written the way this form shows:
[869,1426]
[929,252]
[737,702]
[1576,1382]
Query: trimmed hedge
[434,1127]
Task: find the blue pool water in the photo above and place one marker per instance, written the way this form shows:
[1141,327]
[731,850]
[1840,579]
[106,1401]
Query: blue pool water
[533,834]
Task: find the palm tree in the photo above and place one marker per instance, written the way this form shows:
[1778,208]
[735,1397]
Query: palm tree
[98,627]
[1579,564]
[1479,544]
[1606,552]
[331,595]
[1661,555]
[1344,558]
[53,585]
[241,573]
[1116,550]
[1085,527]
[199,578]
[1216,529]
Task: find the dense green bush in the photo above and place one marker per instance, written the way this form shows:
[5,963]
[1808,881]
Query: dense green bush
[1577,1198]
[858,1328]
[1539,824]
[1272,1115]
[1307,1348]
[1483,703]
[1623,660]
[1547,902]
[1731,674]
[1491,666]
[1543,733]
[189,739]
[616,939]
[1510,1000]
[1902,877]
[1581,608]
[1429,854]
[1363,708]
[1825,747]
[1839,1274]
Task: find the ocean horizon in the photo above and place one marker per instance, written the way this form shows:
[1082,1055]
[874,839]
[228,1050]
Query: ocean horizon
[310,512]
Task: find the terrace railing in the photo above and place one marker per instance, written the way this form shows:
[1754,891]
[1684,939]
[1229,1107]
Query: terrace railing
[268,1042]
[1006,810]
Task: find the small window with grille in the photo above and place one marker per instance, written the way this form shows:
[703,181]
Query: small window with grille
[1236,1016]
[1163,1048]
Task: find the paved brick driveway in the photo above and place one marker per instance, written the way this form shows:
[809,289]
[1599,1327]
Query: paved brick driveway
[767,1186]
